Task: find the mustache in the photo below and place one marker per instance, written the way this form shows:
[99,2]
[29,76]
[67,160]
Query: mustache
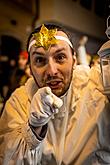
[53,78]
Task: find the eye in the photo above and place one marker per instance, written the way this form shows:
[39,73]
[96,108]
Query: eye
[40,61]
[60,57]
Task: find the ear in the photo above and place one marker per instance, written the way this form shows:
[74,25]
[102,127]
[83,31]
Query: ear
[74,60]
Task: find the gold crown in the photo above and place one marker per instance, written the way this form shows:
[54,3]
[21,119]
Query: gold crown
[45,37]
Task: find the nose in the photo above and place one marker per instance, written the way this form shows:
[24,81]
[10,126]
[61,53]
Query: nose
[51,69]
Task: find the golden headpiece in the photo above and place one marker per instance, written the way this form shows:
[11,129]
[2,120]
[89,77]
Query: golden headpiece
[46,37]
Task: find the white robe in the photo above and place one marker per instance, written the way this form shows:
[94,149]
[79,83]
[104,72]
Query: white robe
[72,134]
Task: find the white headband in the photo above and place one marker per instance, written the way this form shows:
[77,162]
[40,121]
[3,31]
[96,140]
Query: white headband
[57,37]
[64,39]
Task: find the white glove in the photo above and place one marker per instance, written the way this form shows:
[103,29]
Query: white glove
[43,107]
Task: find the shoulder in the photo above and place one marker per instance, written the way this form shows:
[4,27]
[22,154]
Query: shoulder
[86,75]
[81,75]
[95,78]
[25,91]
[18,97]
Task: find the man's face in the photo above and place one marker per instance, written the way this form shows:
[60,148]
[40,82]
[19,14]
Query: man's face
[53,67]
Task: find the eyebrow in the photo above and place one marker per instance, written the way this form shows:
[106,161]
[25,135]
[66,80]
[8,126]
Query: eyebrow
[36,52]
[42,54]
[59,50]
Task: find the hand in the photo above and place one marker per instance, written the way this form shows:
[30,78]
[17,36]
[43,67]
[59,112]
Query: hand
[43,107]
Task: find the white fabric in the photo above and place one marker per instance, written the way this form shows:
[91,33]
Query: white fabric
[72,134]
[57,37]
[31,44]
[64,39]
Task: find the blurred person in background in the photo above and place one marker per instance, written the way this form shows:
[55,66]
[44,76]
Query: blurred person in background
[26,75]
[53,118]
[81,51]
[95,60]
[17,73]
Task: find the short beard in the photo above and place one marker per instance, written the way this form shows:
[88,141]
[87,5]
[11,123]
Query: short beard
[63,92]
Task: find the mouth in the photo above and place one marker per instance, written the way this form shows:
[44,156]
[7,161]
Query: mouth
[54,84]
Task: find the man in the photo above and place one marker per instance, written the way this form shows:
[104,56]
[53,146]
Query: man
[52,119]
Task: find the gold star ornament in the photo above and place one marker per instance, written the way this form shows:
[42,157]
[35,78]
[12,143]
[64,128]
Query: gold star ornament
[45,37]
